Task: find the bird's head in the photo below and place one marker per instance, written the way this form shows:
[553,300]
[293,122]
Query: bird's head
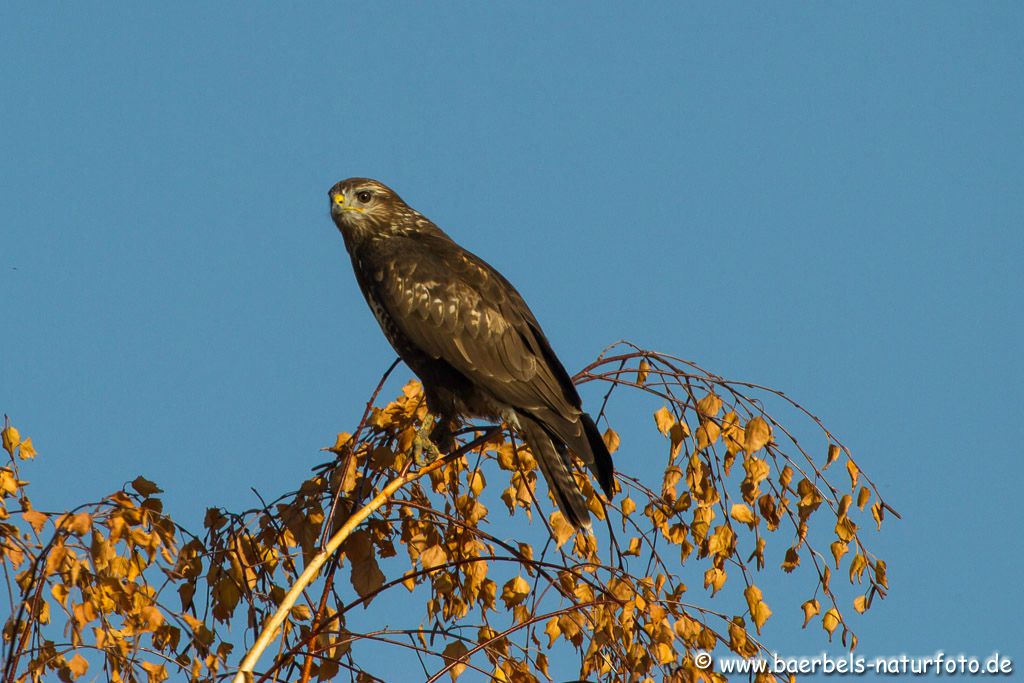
[365,210]
[362,207]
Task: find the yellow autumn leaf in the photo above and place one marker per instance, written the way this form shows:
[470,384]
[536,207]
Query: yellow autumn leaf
[35,518]
[863,497]
[27,451]
[663,418]
[453,655]
[844,505]
[561,528]
[585,545]
[553,630]
[743,514]
[515,591]
[860,603]
[758,552]
[757,469]
[78,666]
[710,405]
[739,642]
[412,389]
[542,664]
[810,608]
[838,550]
[642,372]
[687,629]
[810,498]
[759,614]
[770,511]
[857,567]
[225,597]
[830,621]
[10,438]
[756,434]
[345,479]
[634,547]
[786,476]
[359,547]
[676,434]
[78,524]
[60,592]
[367,577]
[8,484]
[722,541]
[155,673]
[833,454]
[732,431]
[715,579]
[151,617]
[570,626]
[434,556]
[145,487]
[791,561]
[611,440]
[192,622]
[628,506]
[707,434]
[340,442]
[701,524]
[477,483]
[880,574]
[854,471]
[878,512]
[753,596]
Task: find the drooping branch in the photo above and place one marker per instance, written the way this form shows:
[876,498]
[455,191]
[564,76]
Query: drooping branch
[540,588]
[270,629]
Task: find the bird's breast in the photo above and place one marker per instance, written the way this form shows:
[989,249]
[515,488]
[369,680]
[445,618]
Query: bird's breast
[387,324]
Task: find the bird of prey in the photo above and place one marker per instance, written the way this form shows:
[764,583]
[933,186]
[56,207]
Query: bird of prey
[468,335]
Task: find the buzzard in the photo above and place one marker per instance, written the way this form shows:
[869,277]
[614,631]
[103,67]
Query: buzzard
[468,335]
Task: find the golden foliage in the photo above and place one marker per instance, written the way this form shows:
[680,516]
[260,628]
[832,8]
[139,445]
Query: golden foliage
[142,599]
[811,608]
[643,371]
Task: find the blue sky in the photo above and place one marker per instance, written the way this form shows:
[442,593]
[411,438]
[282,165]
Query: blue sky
[825,199]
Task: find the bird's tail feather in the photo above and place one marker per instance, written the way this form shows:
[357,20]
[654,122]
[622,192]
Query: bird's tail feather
[601,462]
[587,444]
[557,470]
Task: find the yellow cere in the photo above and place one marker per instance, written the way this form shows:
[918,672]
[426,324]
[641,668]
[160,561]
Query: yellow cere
[339,199]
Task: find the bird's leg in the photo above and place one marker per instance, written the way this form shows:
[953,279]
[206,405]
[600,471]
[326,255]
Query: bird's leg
[433,439]
[424,448]
[442,435]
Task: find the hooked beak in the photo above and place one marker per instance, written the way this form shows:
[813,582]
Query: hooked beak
[340,205]
[337,203]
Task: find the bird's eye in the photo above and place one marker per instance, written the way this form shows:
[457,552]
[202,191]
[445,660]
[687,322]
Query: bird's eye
[364,196]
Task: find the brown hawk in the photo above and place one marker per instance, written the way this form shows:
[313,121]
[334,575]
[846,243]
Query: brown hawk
[468,335]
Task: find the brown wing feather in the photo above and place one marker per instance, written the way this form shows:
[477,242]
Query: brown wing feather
[455,307]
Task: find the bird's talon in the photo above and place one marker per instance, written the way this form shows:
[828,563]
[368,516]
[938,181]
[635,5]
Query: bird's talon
[441,436]
[424,449]
[425,452]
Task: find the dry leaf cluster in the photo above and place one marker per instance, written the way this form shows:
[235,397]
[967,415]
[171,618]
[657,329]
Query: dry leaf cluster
[116,589]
